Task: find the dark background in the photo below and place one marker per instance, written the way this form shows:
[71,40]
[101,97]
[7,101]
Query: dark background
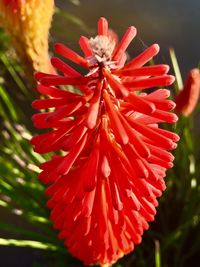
[173,23]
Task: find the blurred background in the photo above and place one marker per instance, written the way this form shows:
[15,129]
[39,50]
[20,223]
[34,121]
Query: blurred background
[168,23]
[27,238]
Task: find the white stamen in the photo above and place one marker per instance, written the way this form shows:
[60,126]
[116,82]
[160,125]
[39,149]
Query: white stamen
[102,47]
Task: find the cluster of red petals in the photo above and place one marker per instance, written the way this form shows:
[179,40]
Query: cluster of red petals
[104,185]
[188,97]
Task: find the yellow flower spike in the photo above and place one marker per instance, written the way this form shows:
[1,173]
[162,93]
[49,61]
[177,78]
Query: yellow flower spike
[28,22]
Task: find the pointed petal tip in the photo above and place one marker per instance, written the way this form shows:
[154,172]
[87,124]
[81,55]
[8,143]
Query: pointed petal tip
[156,47]
[174,118]
[34,105]
[82,37]
[57,46]
[132,29]
[177,137]
[102,20]
[37,76]
[90,124]
[173,146]
[44,81]
[53,60]
[171,79]
[165,68]
[102,26]
[124,43]
[167,79]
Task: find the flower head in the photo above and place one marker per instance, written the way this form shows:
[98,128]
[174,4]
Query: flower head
[188,97]
[104,185]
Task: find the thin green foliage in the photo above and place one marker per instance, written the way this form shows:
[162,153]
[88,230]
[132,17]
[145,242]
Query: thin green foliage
[21,194]
[157,254]
[26,243]
[13,72]
[177,72]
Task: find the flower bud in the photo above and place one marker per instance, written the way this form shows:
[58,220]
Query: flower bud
[28,22]
[187,98]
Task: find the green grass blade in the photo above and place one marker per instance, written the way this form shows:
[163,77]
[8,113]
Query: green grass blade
[157,254]
[27,243]
[179,80]
[4,97]
[11,69]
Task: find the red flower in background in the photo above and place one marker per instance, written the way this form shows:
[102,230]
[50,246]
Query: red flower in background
[188,97]
[104,185]
[14,4]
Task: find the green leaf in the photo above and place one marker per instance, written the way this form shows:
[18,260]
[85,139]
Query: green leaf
[179,80]
[27,243]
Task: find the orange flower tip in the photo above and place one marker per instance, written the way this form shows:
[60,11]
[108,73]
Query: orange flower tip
[164,92]
[105,168]
[37,75]
[122,46]
[164,68]
[194,74]
[58,47]
[171,105]
[139,241]
[174,118]
[170,165]
[90,124]
[169,80]
[102,26]
[174,146]
[40,75]
[150,108]
[45,81]
[172,158]
[146,173]
[70,54]
[85,46]
[155,49]
[54,60]
[188,97]
[131,33]
[124,91]
[34,104]
[176,137]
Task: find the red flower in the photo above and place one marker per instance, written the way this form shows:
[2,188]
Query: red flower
[104,185]
[188,97]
